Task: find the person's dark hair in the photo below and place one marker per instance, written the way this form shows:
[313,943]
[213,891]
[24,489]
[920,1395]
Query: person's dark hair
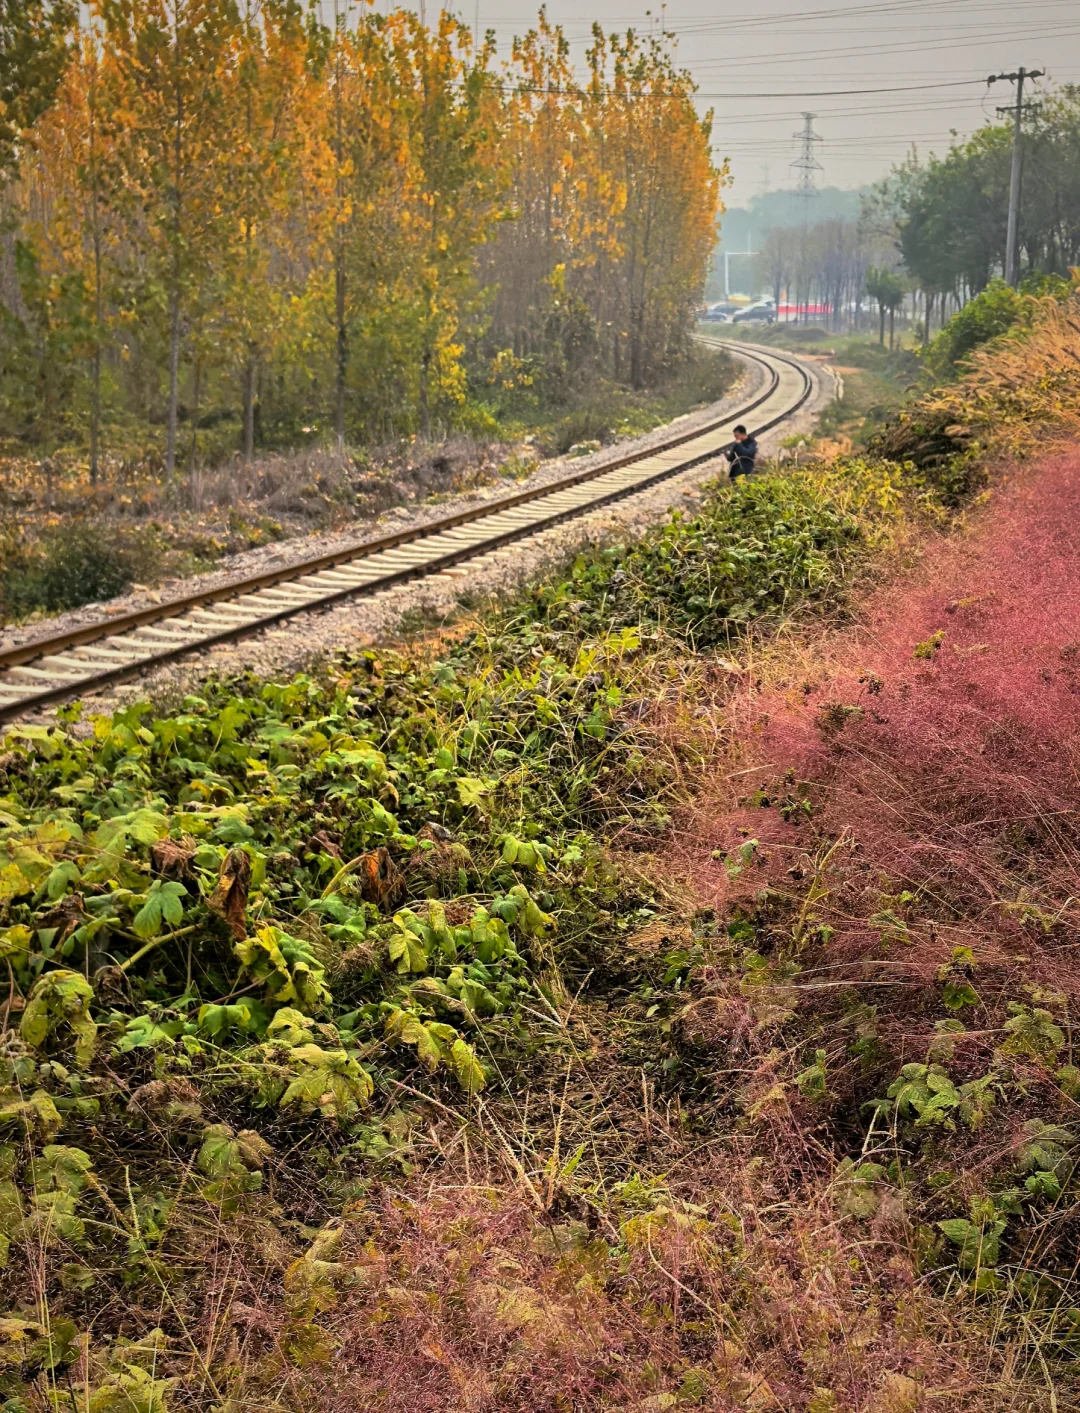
[741,428]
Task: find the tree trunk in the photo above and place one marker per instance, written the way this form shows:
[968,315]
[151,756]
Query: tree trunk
[174,383]
[174,293]
[636,319]
[249,407]
[339,250]
[249,366]
[95,416]
[95,396]
[881,325]
[342,348]
[425,411]
[196,399]
[892,327]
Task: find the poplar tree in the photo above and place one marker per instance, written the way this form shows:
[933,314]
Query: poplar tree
[171,60]
[264,90]
[34,50]
[334,228]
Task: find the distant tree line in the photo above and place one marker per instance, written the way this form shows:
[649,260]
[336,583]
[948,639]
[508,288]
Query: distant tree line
[948,216]
[221,214]
[824,264]
[932,235]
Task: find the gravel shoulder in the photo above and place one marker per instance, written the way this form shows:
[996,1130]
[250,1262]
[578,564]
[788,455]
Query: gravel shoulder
[307,637]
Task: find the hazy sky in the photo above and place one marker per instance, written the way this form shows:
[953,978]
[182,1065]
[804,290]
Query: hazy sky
[760,65]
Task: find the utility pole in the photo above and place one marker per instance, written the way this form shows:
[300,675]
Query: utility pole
[1012,261]
[727,262]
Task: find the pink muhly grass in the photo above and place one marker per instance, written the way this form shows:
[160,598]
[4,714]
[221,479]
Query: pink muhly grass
[956,777]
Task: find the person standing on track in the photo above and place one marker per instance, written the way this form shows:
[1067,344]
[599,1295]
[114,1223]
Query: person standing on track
[743,454]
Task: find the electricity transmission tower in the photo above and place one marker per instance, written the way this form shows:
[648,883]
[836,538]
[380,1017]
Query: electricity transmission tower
[1017,112]
[806,165]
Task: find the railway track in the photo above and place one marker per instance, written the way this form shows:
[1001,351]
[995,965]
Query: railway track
[53,669]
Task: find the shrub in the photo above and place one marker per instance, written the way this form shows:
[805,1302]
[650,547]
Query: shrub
[1013,390]
[585,424]
[755,551]
[995,311]
[73,564]
[998,310]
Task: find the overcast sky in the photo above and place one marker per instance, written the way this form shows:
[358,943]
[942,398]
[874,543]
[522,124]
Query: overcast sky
[743,55]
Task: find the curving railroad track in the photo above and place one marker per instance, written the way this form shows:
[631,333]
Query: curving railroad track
[52,669]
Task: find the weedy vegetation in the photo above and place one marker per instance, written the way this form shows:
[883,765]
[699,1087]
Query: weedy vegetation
[364,1046]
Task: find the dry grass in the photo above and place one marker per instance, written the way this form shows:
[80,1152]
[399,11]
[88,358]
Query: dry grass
[1019,391]
[703,1246]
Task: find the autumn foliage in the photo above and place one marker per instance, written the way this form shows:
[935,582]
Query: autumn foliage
[241,224]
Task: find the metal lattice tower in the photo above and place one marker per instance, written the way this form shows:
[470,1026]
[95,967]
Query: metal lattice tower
[806,165]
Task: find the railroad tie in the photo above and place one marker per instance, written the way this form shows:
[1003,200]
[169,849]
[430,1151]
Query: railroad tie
[394,561]
[337,578]
[210,624]
[231,609]
[172,627]
[122,648]
[40,674]
[300,592]
[66,662]
[156,637]
[462,535]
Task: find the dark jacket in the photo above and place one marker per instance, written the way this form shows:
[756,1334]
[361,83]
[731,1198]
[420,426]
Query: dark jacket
[742,456]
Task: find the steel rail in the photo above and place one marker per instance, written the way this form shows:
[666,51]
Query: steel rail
[398,557]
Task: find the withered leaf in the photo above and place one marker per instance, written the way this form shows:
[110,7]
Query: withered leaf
[66,916]
[229,898]
[171,858]
[321,842]
[378,877]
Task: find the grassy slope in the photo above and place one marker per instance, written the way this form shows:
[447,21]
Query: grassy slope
[592,1121]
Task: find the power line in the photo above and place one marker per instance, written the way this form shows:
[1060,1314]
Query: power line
[574,92]
[773,60]
[865,111]
[846,92]
[787,19]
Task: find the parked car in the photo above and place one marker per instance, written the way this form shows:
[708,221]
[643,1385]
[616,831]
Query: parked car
[720,313]
[755,314]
